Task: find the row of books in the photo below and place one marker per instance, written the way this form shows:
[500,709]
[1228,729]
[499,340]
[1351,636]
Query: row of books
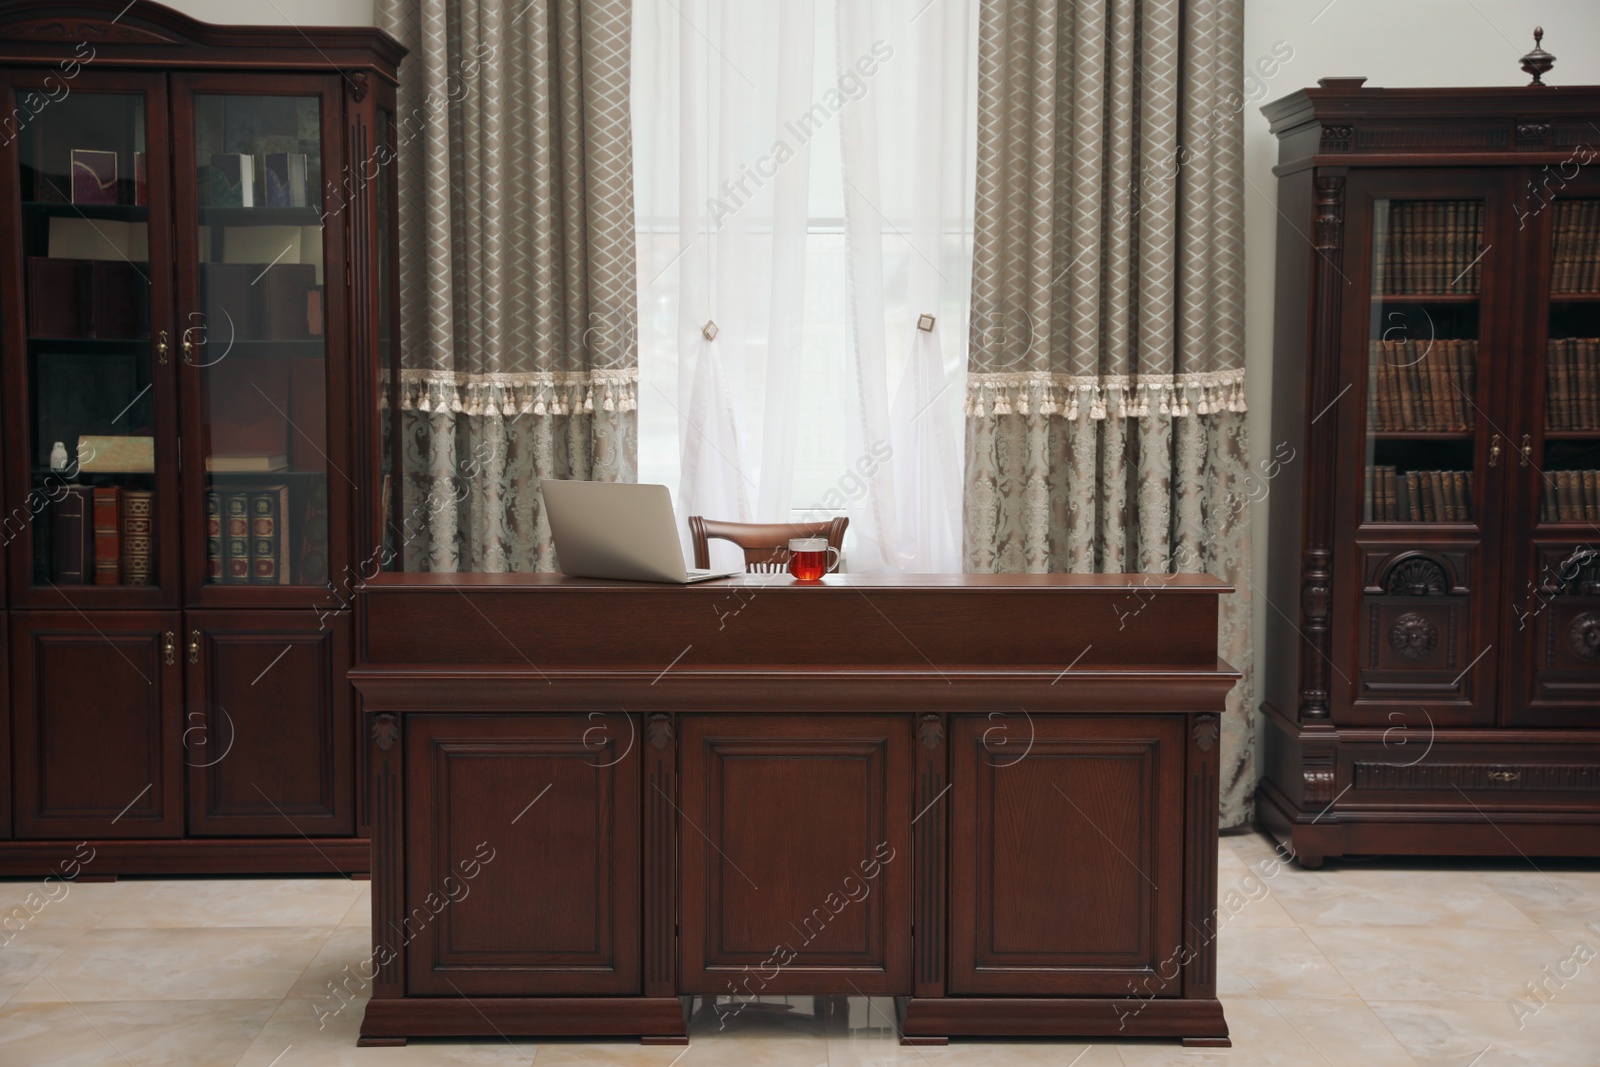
[231,180]
[255,301]
[1417,496]
[1576,267]
[249,538]
[1570,496]
[1572,384]
[1430,246]
[1423,385]
[102,535]
[88,298]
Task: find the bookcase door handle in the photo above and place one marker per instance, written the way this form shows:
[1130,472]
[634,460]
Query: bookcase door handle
[170,644]
[194,646]
[1494,451]
[188,348]
[161,348]
[1527,449]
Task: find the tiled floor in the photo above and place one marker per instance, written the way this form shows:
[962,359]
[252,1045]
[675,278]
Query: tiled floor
[1358,965]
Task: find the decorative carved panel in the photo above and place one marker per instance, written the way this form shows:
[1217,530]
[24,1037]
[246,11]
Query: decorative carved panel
[658,731]
[94,31]
[1206,731]
[1417,576]
[1584,635]
[385,731]
[1524,777]
[1335,138]
[1417,136]
[1413,636]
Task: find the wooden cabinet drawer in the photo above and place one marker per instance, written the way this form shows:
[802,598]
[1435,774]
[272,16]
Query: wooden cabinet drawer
[1462,775]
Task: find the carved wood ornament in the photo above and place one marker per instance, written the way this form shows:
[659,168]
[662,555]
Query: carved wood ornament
[385,731]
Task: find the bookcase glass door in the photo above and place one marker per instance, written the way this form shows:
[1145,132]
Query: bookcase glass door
[257,337]
[1423,362]
[1570,464]
[92,439]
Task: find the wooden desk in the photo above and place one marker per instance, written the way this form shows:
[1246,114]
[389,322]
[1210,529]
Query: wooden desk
[991,797]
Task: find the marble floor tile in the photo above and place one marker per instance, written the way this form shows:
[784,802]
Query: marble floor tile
[23,961]
[295,1037]
[33,906]
[1437,963]
[1551,898]
[360,913]
[192,1033]
[254,902]
[1455,1033]
[1277,964]
[341,972]
[1276,1033]
[236,963]
[1346,896]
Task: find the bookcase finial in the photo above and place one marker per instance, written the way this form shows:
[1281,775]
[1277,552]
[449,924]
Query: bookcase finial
[1538,62]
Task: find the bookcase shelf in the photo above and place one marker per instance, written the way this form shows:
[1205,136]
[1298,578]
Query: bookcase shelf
[117,212]
[1426,298]
[1423,435]
[260,216]
[1575,298]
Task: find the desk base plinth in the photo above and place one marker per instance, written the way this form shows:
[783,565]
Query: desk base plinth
[1197,1022]
[655,1020]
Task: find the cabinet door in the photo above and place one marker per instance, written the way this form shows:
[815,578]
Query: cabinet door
[1552,623]
[96,724]
[259,222]
[1065,860]
[796,855]
[89,352]
[266,731]
[522,846]
[1427,370]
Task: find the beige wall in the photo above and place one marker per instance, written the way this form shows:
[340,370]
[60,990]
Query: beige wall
[278,12]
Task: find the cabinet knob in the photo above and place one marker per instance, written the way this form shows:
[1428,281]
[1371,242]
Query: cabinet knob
[1494,451]
[161,348]
[1527,449]
[194,646]
[170,644]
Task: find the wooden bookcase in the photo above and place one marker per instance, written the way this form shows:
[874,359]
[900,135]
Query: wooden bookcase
[194,267]
[1435,542]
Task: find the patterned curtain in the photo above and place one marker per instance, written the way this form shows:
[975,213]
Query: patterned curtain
[1105,427]
[517,273]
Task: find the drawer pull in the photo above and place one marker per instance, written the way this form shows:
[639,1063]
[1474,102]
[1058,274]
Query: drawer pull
[169,645]
[1505,776]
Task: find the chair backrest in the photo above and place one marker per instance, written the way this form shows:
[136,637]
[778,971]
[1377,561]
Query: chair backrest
[765,544]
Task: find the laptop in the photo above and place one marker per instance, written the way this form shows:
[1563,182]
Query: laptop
[618,530]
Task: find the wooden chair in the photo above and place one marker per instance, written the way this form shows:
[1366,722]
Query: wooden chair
[765,544]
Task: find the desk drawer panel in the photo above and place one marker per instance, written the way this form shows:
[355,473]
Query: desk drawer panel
[1458,775]
[522,844]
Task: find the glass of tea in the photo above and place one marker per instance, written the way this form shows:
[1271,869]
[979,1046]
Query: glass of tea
[808,558]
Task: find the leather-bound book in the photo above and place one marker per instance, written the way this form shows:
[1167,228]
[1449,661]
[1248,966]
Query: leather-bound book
[268,508]
[312,566]
[121,299]
[1413,496]
[1465,509]
[107,535]
[1391,493]
[283,301]
[138,536]
[1591,504]
[60,297]
[72,536]
[1569,510]
[216,550]
[94,176]
[236,538]
[230,298]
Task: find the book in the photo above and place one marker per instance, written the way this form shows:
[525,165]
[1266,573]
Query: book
[214,539]
[246,464]
[60,297]
[1413,496]
[94,176]
[1567,510]
[269,564]
[141,178]
[1391,494]
[72,536]
[71,238]
[121,299]
[236,538]
[107,535]
[138,536]
[314,311]
[231,180]
[228,297]
[285,178]
[283,301]
[312,561]
[1463,481]
[119,455]
[1590,502]
[308,416]
[250,410]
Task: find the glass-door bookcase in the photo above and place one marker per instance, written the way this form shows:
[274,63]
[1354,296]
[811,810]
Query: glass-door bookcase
[192,462]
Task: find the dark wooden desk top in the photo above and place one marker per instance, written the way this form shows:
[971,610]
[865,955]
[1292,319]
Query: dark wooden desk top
[1055,640]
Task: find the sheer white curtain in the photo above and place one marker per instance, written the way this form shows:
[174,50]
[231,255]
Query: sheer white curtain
[804,190]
